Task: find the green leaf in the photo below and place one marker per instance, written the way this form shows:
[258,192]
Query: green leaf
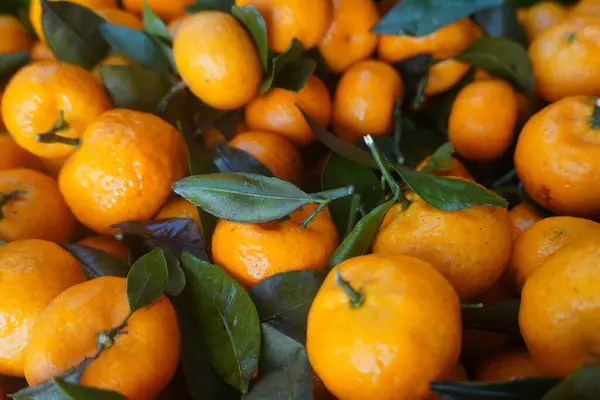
[441,159]
[230,159]
[256,26]
[147,280]
[284,300]
[228,122]
[584,384]
[502,21]
[278,62]
[413,70]
[48,390]
[207,5]
[422,17]
[11,63]
[133,86]
[503,58]
[153,25]
[294,75]
[448,194]
[359,241]
[242,197]
[72,33]
[13,6]
[227,319]
[76,392]
[96,263]
[284,372]
[520,389]
[502,317]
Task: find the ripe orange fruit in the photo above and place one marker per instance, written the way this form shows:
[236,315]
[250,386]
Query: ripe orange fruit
[444,43]
[108,244]
[39,92]
[305,20]
[32,273]
[277,111]
[544,238]
[253,252]
[458,170]
[507,366]
[31,207]
[585,8]
[138,365]
[116,16]
[398,332]
[35,11]
[469,247]
[41,52]
[541,16]
[178,207]
[174,25]
[364,100]
[522,216]
[483,119]
[348,39]
[573,39]
[557,158]
[213,136]
[13,156]
[123,170]
[52,166]
[560,307]
[14,36]
[166,9]
[275,152]
[217,59]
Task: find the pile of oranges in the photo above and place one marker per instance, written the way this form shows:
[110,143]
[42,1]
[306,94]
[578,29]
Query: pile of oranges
[404,258]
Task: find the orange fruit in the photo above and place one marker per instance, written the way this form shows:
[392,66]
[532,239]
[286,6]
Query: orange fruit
[253,252]
[116,16]
[364,100]
[560,308]
[178,207]
[13,156]
[213,136]
[522,216]
[14,36]
[458,170]
[444,43]
[52,166]
[166,9]
[138,365]
[123,170]
[458,373]
[305,20]
[541,16]
[483,119]
[112,59]
[108,244]
[41,52]
[469,247]
[557,158]
[277,111]
[31,207]
[390,344]
[275,152]
[32,273]
[507,366]
[544,238]
[565,59]
[36,95]
[585,8]
[348,39]
[174,25]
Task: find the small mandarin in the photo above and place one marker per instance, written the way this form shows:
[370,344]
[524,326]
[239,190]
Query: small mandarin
[108,244]
[13,156]
[522,216]
[212,135]
[41,52]
[541,16]
[507,366]
[14,36]
[585,8]
[52,166]
[166,9]
[178,207]
[116,16]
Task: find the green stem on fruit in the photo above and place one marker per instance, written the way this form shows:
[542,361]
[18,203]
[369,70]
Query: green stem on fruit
[5,198]
[313,214]
[52,135]
[595,118]
[356,297]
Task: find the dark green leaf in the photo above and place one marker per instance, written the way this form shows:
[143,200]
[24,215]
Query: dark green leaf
[503,58]
[11,63]
[206,5]
[48,390]
[255,24]
[284,300]
[413,70]
[242,197]
[422,17]
[502,317]
[133,86]
[96,263]
[136,46]
[76,392]
[502,21]
[448,194]
[441,159]
[13,6]
[284,372]
[584,384]
[147,279]
[153,25]
[227,319]
[72,33]
[359,241]
[520,389]
[230,159]
[277,63]
[295,74]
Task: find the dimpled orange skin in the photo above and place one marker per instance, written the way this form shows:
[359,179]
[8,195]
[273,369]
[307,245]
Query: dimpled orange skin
[364,100]
[178,207]
[14,36]
[32,273]
[458,170]
[469,247]
[35,11]
[108,244]
[577,40]
[348,39]
[275,152]
[544,238]
[277,111]
[483,119]
[38,212]
[217,59]
[559,310]
[116,16]
[557,158]
[139,365]
[123,170]
[305,20]
[404,335]
[541,16]
[253,252]
[35,95]
[41,52]
[522,216]
[507,366]
[166,9]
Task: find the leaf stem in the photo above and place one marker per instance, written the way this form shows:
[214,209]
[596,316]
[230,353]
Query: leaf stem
[356,297]
[5,198]
[595,118]
[333,194]
[398,132]
[161,107]
[52,135]
[354,211]
[313,214]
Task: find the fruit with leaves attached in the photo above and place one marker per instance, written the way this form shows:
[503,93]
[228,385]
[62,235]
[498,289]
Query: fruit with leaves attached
[119,17]
[540,17]
[383,327]
[15,37]
[522,216]
[32,273]
[107,244]
[138,364]
[178,207]
[507,365]
[165,9]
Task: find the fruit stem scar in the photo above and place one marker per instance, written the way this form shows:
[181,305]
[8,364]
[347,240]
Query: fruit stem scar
[5,198]
[595,118]
[313,214]
[52,136]
[356,297]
